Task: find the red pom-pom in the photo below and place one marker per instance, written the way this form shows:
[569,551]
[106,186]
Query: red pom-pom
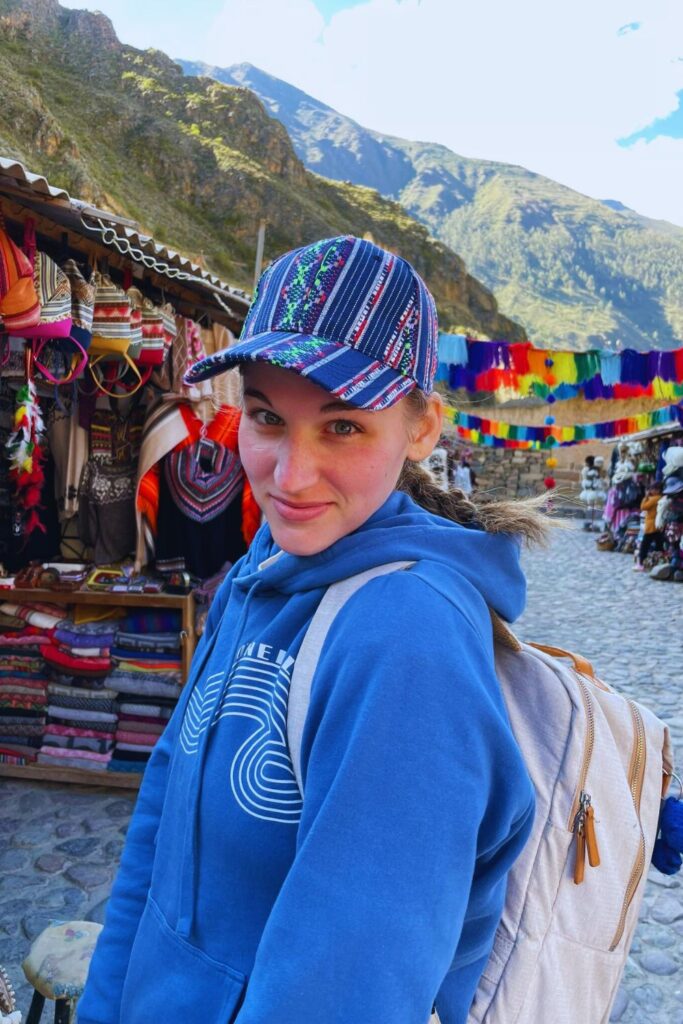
[549,482]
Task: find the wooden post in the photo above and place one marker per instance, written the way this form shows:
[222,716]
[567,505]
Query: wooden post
[259,251]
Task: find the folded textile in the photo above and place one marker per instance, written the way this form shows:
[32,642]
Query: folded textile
[29,685]
[17,755]
[131,707]
[22,713]
[152,726]
[148,641]
[65,690]
[67,663]
[27,703]
[82,703]
[78,743]
[23,691]
[158,667]
[76,636]
[84,652]
[70,762]
[87,755]
[55,729]
[143,657]
[43,616]
[17,738]
[20,663]
[80,715]
[86,616]
[139,740]
[15,728]
[143,685]
[75,723]
[151,622]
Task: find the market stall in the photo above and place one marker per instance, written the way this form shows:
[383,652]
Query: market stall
[122,498]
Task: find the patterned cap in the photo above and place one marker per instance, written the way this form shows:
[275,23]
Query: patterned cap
[353,318]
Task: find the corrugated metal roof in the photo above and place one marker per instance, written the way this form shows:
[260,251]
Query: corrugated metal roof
[112,230]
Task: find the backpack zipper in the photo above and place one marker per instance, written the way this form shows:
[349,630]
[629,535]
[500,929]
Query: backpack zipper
[636,779]
[582,816]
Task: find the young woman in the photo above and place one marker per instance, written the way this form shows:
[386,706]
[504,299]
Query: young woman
[378,893]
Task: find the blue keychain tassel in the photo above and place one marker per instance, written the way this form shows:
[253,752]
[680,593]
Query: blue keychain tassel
[667,854]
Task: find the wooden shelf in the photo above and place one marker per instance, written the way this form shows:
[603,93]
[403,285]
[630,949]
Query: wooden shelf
[81,776]
[26,595]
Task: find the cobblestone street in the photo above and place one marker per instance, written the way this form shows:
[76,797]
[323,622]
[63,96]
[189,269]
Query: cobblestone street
[60,845]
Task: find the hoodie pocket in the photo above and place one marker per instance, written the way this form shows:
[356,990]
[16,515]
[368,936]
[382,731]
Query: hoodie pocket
[170,979]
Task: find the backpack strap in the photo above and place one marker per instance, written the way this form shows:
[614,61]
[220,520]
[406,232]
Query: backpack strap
[333,600]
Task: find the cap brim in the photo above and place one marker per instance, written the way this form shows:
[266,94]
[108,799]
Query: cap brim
[340,369]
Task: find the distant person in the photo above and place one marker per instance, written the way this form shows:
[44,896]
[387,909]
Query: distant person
[463,477]
[652,537]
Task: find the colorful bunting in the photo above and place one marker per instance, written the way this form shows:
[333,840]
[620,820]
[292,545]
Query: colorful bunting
[519,370]
[509,435]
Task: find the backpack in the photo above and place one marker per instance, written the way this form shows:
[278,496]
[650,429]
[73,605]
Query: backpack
[600,764]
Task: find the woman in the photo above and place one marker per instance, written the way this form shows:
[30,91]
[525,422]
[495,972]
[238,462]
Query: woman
[379,893]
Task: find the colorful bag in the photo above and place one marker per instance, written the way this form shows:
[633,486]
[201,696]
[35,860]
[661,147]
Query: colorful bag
[19,306]
[82,304]
[600,764]
[115,328]
[55,325]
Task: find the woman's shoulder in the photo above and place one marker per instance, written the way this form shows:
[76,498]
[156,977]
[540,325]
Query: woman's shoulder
[415,603]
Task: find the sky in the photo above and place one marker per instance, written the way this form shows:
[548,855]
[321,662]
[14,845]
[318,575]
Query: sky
[589,94]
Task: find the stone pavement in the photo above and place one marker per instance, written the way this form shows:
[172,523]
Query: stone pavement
[60,845]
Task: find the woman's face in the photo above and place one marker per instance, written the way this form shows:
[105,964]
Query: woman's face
[318,467]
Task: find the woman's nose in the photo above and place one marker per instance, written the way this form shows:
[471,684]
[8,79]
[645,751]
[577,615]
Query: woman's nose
[296,468]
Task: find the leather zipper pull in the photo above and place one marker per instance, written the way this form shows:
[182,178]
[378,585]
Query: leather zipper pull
[591,841]
[580,862]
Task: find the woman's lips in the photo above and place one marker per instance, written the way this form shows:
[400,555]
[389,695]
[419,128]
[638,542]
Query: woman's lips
[298,513]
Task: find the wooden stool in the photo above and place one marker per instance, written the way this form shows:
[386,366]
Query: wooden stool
[57,967]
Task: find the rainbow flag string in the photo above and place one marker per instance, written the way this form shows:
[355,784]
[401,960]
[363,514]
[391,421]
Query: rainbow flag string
[519,370]
[497,434]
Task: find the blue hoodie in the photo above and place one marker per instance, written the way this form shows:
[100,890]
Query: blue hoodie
[237,901]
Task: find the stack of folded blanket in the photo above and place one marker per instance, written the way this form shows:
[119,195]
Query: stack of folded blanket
[81,707]
[148,677]
[24,630]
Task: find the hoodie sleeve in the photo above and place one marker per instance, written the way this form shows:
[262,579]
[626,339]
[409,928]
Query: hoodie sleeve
[101,997]
[416,804]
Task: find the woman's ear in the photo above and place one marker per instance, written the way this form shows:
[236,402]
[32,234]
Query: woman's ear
[427,430]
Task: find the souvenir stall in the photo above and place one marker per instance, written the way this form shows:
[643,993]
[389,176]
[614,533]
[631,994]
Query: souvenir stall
[647,458]
[122,498]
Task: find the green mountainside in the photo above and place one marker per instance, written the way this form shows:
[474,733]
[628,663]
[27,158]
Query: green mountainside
[196,163]
[575,271]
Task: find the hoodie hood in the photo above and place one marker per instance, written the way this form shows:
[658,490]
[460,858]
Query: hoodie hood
[399,531]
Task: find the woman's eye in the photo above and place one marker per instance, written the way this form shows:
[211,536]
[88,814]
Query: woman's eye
[265,417]
[344,428]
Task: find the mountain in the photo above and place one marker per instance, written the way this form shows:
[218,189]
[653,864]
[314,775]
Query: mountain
[197,164]
[575,271]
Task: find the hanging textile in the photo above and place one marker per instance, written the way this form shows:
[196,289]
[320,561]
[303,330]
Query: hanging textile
[521,370]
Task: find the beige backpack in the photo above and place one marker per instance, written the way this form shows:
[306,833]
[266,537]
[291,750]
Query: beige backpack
[600,764]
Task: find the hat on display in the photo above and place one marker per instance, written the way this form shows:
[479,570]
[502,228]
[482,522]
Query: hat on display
[351,317]
[673,460]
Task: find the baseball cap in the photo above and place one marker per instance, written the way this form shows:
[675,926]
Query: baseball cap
[353,318]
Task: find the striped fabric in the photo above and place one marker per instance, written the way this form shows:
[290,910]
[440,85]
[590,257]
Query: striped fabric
[355,319]
[82,302]
[112,311]
[54,294]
